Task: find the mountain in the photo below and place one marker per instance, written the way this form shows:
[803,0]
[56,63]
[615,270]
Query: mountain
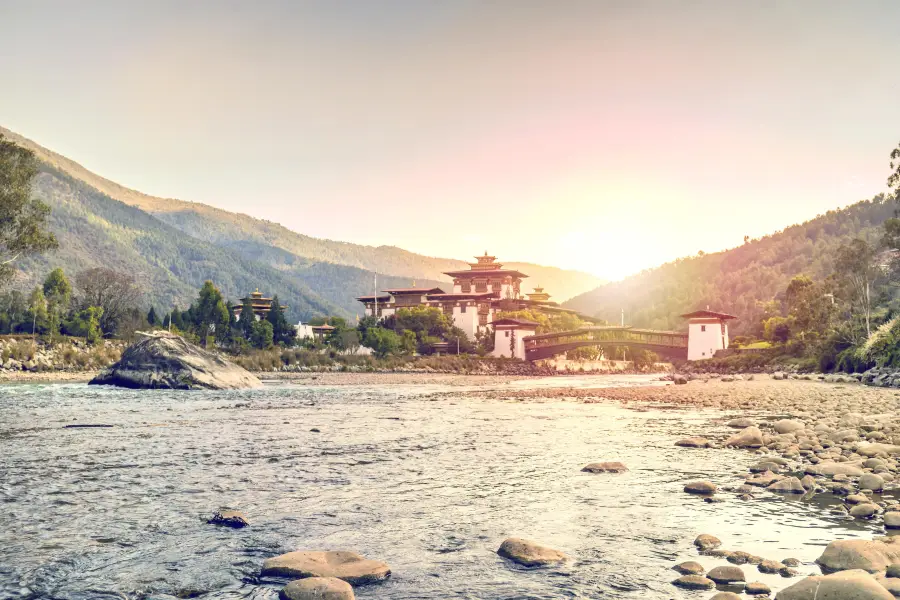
[173,245]
[735,281]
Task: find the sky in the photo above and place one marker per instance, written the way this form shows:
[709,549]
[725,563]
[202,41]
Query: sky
[603,136]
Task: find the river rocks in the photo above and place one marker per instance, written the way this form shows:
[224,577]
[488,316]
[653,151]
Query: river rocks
[349,566]
[726,574]
[892,520]
[318,588]
[808,482]
[788,426]
[229,518]
[693,442]
[864,511]
[694,582]
[605,467]
[705,542]
[757,588]
[893,571]
[834,468]
[846,585]
[871,481]
[751,437]
[726,596]
[769,566]
[690,568]
[870,555]
[528,553]
[168,361]
[764,479]
[679,380]
[739,557]
[700,487]
[789,485]
[741,423]
[875,449]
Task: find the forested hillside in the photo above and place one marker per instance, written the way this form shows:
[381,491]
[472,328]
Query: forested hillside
[238,231]
[739,280]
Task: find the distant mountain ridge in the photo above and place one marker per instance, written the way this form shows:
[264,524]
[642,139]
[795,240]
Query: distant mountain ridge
[738,280]
[194,241]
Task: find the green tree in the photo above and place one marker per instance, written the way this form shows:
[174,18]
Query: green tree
[86,323]
[248,317]
[23,219]
[37,311]
[855,267]
[284,333]
[383,342]
[210,312]
[408,341]
[152,319]
[894,178]
[261,336]
[58,292]
[177,319]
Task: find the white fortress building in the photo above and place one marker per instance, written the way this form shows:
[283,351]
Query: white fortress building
[707,333]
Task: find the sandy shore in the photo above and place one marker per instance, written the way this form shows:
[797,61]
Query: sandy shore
[47,376]
[338,378]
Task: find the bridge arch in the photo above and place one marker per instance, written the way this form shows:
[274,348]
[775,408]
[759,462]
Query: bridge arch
[670,344]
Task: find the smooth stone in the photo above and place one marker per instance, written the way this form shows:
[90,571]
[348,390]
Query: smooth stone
[528,553]
[791,562]
[892,520]
[763,479]
[869,555]
[690,568]
[893,570]
[318,588]
[871,481]
[789,485]
[769,566]
[834,468]
[739,558]
[349,566]
[726,574]
[757,588]
[605,467]
[694,582]
[726,596]
[693,442]
[750,437]
[741,423]
[808,482]
[845,585]
[700,487]
[874,449]
[788,426]
[705,541]
[864,511]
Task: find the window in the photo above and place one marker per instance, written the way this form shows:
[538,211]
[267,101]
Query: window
[703,328]
[506,333]
[462,307]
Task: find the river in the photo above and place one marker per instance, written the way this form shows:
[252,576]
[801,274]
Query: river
[431,485]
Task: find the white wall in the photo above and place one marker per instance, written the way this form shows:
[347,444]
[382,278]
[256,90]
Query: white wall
[467,321]
[501,342]
[705,338]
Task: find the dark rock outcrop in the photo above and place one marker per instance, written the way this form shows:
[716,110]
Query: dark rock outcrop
[166,361]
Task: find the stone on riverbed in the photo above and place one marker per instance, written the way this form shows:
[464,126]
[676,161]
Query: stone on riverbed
[349,566]
[834,468]
[694,582]
[871,481]
[846,585]
[167,361]
[229,518]
[750,437]
[318,588]
[726,596]
[690,568]
[741,423]
[892,520]
[864,511]
[705,541]
[757,588]
[693,442]
[875,449]
[789,485]
[788,426]
[605,467]
[726,574]
[700,487]
[869,555]
[528,553]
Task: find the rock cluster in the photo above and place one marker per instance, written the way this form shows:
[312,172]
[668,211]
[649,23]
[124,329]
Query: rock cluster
[74,355]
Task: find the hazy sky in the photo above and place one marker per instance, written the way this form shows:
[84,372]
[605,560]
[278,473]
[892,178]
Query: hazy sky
[604,136]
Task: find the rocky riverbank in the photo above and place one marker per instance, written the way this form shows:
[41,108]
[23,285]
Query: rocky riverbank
[22,359]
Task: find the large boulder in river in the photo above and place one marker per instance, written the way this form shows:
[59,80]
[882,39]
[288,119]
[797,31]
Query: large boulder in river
[528,553]
[349,566]
[318,588]
[846,585]
[167,361]
[869,555]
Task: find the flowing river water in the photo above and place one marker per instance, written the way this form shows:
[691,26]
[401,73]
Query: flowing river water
[429,484]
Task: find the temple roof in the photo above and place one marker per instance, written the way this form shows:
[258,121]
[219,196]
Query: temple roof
[478,296]
[492,273]
[515,323]
[708,314]
[413,290]
[372,298]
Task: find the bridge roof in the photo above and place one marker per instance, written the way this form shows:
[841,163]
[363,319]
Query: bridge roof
[708,314]
[628,328]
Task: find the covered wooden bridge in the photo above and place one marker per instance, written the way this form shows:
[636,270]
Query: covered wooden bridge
[670,344]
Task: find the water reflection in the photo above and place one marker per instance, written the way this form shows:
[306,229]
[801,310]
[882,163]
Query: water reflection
[431,487]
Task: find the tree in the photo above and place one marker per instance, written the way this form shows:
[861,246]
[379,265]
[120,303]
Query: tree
[210,312]
[58,292]
[855,267]
[894,178]
[382,341]
[261,335]
[116,293]
[284,333]
[86,323]
[176,319]
[152,319]
[13,311]
[23,219]
[37,311]
[248,317]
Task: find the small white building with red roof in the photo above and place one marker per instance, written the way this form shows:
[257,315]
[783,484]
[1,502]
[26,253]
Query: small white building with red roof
[509,337]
